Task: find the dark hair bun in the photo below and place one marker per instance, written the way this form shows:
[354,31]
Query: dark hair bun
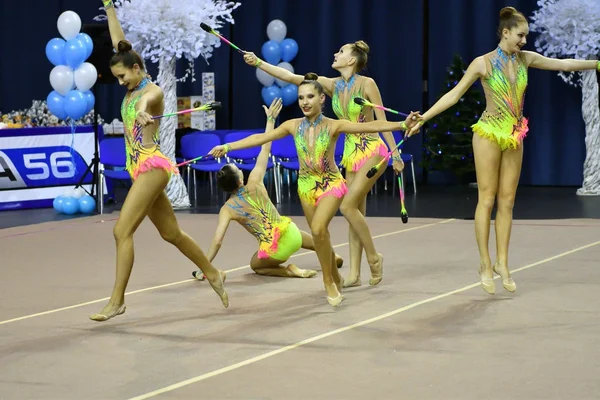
[507,12]
[311,76]
[362,45]
[124,46]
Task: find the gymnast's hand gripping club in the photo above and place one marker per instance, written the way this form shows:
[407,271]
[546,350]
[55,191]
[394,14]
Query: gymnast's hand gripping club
[213,105]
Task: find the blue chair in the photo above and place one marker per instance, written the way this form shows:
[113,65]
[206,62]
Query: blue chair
[199,144]
[113,159]
[284,156]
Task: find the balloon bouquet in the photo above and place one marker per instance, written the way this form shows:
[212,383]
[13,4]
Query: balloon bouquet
[279,51]
[71,78]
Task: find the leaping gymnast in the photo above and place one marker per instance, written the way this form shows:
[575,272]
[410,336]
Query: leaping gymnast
[499,134]
[150,171]
[321,186]
[249,205]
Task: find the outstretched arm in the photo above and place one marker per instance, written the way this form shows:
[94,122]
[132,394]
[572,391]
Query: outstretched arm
[284,74]
[253,140]
[535,60]
[374,96]
[262,161]
[476,70]
[349,127]
[223,224]
[114,26]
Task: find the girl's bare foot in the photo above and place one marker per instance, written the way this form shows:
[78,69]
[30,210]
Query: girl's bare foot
[507,281]
[352,282]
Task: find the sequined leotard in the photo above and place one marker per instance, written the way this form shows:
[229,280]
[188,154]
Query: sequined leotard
[357,148]
[318,175]
[140,157]
[503,120]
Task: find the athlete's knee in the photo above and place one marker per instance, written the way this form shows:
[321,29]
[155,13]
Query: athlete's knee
[319,231]
[171,235]
[506,202]
[121,231]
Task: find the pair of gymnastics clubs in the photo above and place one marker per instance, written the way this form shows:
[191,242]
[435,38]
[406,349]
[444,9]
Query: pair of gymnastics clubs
[213,105]
[212,31]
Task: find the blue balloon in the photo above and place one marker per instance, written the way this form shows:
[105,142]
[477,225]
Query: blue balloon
[271,52]
[58,203]
[87,42]
[289,49]
[90,99]
[75,53]
[55,51]
[56,104]
[87,204]
[70,206]
[289,94]
[270,93]
[75,104]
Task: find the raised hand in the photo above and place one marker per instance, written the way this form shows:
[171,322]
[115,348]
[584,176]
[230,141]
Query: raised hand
[275,108]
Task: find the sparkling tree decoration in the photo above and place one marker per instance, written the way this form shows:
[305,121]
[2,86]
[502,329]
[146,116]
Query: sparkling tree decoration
[448,139]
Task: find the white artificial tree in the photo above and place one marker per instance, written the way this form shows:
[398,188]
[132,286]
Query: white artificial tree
[164,31]
[571,29]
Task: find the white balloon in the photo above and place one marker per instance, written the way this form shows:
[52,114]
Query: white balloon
[61,79]
[69,25]
[264,78]
[276,30]
[78,193]
[85,76]
[287,66]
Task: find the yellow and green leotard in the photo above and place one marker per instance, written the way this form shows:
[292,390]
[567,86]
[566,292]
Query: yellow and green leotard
[318,176]
[503,121]
[140,157]
[357,148]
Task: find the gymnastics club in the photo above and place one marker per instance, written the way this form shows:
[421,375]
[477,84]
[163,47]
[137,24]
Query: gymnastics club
[374,169]
[403,213]
[362,102]
[213,105]
[211,30]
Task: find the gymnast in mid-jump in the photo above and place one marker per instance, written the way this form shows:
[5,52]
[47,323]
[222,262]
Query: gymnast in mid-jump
[150,171]
[499,134]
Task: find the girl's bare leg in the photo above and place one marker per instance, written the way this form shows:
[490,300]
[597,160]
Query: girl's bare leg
[271,267]
[142,194]
[510,171]
[163,217]
[309,244]
[353,208]
[487,165]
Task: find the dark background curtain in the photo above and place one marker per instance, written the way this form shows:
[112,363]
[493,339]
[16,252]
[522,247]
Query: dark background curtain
[554,150]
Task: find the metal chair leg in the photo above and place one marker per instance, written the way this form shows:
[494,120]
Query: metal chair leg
[100,196]
[412,166]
